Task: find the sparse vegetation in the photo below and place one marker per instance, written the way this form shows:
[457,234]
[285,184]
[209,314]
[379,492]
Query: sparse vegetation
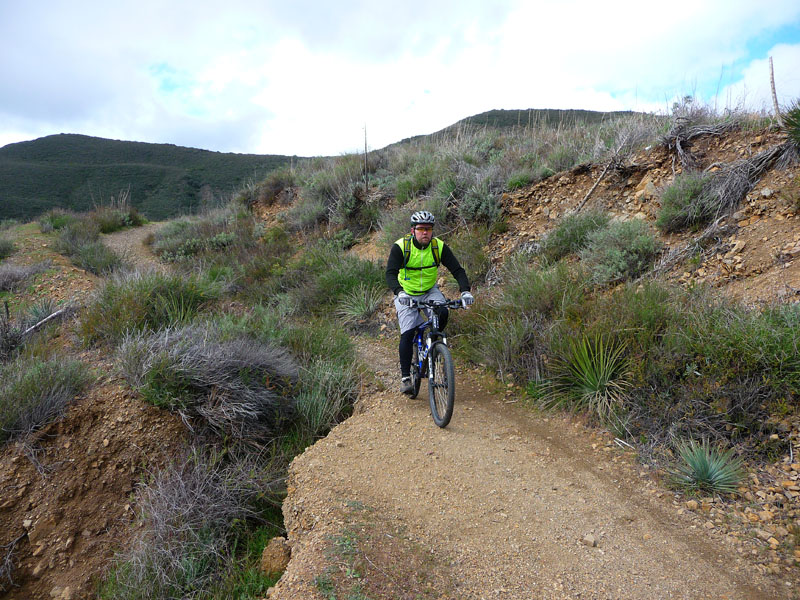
[80,241]
[195,516]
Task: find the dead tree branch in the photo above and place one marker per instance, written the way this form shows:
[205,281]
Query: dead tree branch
[775,95]
[7,563]
[596,183]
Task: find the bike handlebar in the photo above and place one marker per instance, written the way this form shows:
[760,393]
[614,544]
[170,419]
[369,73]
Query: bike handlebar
[436,303]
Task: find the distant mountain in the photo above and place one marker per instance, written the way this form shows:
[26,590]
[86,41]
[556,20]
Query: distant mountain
[529,117]
[78,171]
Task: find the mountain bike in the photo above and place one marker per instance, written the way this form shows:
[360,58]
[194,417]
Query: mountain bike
[431,358]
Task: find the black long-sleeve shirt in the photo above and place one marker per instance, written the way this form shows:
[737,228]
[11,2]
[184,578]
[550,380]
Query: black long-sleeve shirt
[448,259]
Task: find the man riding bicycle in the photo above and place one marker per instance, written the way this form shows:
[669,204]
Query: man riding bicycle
[411,273]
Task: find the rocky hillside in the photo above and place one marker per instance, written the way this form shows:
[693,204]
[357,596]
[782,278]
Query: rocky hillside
[751,256]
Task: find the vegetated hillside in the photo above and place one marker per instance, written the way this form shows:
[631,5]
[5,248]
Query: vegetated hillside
[77,171]
[500,119]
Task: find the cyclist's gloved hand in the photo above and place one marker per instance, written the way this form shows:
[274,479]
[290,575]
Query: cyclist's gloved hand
[404,299]
[466,299]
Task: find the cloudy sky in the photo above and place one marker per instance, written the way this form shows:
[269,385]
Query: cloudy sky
[306,77]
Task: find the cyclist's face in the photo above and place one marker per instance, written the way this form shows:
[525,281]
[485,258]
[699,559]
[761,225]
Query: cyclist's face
[423,233]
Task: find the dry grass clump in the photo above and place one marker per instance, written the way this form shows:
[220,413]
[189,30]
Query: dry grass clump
[34,392]
[192,516]
[239,388]
[12,276]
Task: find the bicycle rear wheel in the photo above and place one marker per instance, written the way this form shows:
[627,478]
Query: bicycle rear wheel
[416,376]
[441,384]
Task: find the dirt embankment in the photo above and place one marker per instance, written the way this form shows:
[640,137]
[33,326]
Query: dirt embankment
[66,492]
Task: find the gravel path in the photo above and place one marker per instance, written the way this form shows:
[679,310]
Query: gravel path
[516,504]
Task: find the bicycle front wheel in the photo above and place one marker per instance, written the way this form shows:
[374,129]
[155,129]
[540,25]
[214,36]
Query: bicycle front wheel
[441,384]
[416,376]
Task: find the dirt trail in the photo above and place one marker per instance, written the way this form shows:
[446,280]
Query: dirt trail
[506,501]
[130,244]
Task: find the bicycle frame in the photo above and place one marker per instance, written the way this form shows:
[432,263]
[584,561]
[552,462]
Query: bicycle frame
[428,333]
[434,361]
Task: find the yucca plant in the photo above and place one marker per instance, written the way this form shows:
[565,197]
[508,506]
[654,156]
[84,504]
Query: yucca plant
[704,467]
[791,120]
[360,303]
[591,376]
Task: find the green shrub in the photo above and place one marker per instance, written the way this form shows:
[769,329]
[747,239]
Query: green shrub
[98,258]
[270,188]
[418,180]
[34,393]
[75,235]
[468,245]
[733,342]
[512,333]
[572,234]
[113,218]
[328,381]
[80,241]
[306,214]
[591,376]
[479,205]
[56,219]
[519,180]
[6,248]
[554,292]
[8,224]
[705,468]
[139,301]
[641,315]
[685,203]
[330,389]
[621,251]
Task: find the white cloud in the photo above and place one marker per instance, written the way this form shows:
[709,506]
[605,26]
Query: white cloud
[305,77]
[753,90]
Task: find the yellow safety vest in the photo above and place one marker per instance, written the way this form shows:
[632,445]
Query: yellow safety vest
[420,266]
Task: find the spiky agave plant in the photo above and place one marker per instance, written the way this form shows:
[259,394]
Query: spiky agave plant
[360,303]
[791,121]
[707,468]
[591,376]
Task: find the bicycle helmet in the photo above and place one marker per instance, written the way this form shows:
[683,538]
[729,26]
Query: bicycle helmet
[422,217]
